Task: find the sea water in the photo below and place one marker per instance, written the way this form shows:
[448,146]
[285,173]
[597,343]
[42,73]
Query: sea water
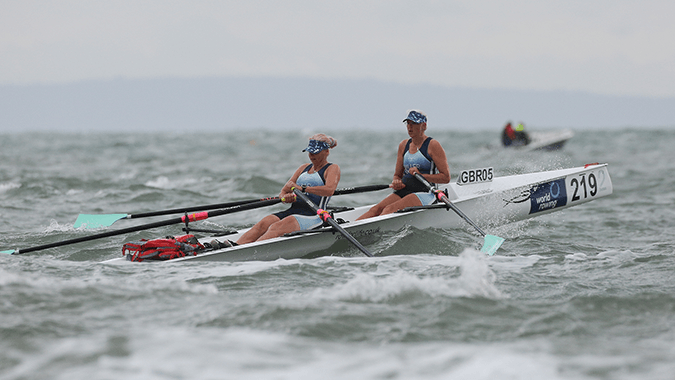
[584,293]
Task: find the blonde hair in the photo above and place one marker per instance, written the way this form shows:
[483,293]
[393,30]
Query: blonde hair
[332,143]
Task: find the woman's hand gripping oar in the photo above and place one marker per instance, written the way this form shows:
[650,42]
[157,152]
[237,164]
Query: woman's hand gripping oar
[491,243]
[325,216]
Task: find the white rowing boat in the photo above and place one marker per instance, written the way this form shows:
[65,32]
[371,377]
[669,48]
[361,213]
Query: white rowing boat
[487,200]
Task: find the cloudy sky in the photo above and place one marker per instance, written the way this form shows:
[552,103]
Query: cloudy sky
[612,47]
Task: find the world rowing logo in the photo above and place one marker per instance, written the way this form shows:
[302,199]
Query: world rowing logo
[542,197]
[548,196]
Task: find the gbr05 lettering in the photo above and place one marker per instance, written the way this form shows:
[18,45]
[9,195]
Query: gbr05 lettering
[476,175]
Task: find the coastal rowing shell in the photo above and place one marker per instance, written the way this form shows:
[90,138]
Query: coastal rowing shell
[502,200]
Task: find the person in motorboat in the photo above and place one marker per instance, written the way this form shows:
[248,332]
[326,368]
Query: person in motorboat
[508,134]
[318,180]
[418,154]
[515,136]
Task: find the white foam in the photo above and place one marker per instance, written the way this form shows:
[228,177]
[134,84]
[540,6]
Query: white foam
[160,182]
[4,187]
[475,280]
[165,183]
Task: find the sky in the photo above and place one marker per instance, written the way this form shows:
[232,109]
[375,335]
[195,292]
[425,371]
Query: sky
[609,47]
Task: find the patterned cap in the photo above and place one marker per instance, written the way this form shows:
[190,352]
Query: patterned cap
[320,142]
[316,146]
[416,117]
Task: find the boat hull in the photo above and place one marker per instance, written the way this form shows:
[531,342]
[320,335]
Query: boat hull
[501,201]
[552,140]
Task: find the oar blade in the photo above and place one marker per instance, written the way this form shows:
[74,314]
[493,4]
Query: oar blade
[491,244]
[90,221]
[10,252]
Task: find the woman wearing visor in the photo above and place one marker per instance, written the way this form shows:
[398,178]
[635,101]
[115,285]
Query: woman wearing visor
[418,154]
[318,180]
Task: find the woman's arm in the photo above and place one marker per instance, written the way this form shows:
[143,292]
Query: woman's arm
[437,154]
[399,171]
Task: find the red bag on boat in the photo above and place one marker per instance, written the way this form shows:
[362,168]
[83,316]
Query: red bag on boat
[162,249]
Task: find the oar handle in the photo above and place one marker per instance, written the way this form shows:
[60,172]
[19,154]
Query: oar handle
[182,219]
[443,198]
[325,216]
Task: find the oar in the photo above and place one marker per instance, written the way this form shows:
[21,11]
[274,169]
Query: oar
[183,219]
[90,221]
[325,216]
[491,243]
[106,220]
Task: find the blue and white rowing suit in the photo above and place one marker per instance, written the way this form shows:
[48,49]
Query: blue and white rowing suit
[306,217]
[423,162]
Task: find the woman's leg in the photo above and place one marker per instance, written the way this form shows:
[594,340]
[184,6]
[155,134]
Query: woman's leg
[378,208]
[410,200]
[284,226]
[258,230]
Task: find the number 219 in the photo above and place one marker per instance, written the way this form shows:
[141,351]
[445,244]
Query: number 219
[581,185]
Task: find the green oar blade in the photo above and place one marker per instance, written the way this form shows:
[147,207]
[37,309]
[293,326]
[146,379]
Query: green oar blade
[97,221]
[491,244]
[10,252]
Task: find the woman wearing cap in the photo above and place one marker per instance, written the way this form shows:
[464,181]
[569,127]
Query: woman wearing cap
[318,180]
[419,154]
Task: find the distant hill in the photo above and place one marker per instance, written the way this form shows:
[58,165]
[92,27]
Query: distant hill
[213,104]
